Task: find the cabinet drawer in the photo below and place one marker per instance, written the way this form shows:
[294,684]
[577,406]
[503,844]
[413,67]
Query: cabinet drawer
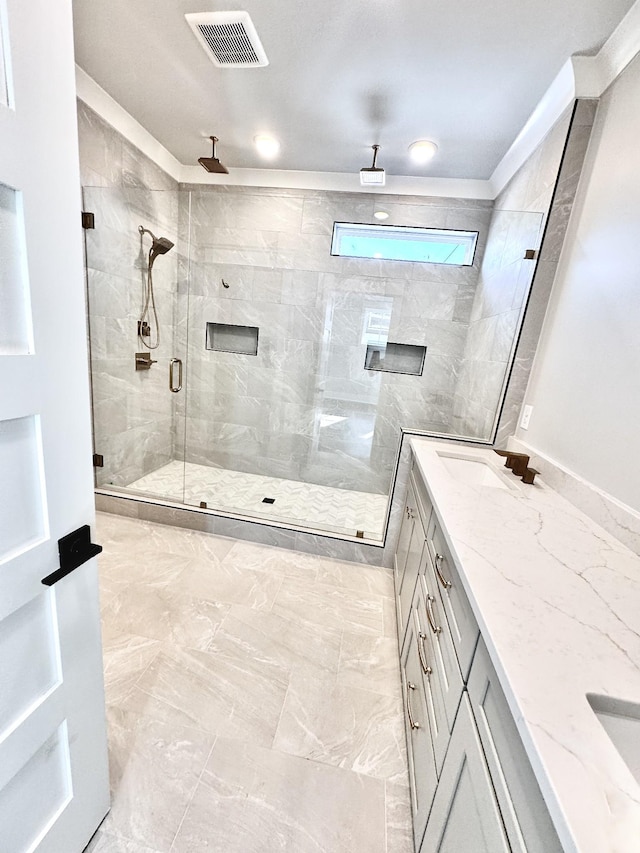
[415,564]
[465,816]
[524,812]
[422,768]
[410,513]
[431,678]
[423,500]
[430,616]
[462,623]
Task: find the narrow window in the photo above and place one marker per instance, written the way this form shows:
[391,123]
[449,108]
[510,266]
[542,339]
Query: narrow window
[403,243]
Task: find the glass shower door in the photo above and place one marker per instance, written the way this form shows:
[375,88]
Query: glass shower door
[135,331]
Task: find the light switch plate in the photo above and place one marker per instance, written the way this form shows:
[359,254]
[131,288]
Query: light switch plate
[526,417]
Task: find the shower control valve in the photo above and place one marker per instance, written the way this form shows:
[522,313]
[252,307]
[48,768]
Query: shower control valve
[144,360]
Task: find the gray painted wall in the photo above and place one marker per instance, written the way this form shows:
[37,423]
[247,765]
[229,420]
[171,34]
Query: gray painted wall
[585,384]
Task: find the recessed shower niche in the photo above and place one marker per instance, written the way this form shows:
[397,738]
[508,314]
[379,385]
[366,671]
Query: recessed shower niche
[396,358]
[224,337]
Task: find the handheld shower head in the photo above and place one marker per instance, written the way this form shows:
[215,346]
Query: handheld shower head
[159,245]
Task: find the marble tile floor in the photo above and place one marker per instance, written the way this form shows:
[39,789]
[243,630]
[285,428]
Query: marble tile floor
[306,504]
[253,698]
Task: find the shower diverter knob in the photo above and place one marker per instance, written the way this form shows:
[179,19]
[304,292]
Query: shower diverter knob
[144,360]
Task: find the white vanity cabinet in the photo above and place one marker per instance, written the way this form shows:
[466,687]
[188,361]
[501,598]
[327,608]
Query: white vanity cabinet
[411,554]
[524,813]
[463,626]
[418,719]
[465,817]
[473,789]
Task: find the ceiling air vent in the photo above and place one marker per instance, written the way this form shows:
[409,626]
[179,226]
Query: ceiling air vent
[229,39]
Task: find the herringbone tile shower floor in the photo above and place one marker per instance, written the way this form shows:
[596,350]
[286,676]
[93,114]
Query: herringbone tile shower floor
[306,504]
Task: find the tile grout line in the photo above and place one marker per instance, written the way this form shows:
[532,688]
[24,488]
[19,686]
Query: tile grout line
[193,793]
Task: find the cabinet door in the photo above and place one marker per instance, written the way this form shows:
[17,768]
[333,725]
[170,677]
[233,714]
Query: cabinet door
[462,623]
[445,662]
[432,681]
[422,768]
[524,812]
[425,507]
[402,550]
[414,566]
[465,817]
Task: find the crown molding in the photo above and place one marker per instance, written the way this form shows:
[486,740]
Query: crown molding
[579,77]
[107,108]
[340,182]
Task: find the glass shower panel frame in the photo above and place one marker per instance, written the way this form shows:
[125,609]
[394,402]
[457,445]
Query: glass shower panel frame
[138,422]
[280,418]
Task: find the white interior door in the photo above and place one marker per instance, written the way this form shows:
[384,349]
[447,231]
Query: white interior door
[53,760]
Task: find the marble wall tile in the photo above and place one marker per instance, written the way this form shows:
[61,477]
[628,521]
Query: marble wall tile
[100,148]
[561,205]
[299,287]
[321,210]
[495,313]
[138,434]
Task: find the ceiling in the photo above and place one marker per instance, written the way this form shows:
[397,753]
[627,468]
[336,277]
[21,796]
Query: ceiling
[342,76]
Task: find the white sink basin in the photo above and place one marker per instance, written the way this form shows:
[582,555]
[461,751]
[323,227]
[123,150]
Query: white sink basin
[621,721]
[472,471]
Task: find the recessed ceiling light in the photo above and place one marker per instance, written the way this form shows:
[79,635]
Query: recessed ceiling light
[266,145]
[381,214]
[422,151]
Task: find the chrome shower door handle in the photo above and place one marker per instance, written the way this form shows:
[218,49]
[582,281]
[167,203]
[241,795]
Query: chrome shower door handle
[172,366]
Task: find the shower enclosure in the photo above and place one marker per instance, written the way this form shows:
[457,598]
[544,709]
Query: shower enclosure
[284,376]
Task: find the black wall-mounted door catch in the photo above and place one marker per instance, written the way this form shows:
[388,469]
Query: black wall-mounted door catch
[74,550]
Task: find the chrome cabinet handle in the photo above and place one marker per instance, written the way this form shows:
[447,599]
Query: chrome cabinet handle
[413,723]
[445,583]
[430,615]
[172,385]
[423,655]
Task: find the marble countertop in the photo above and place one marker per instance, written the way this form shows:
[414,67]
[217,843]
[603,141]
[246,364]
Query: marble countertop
[557,599]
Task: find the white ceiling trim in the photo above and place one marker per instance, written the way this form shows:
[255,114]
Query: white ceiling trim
[110,110]
[340,182]
[621,47]
[107,108]
[581,76]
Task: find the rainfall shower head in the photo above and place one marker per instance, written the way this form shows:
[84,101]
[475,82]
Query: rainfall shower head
[212,164]
[159,246]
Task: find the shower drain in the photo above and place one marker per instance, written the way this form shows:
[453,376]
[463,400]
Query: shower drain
[268,500]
